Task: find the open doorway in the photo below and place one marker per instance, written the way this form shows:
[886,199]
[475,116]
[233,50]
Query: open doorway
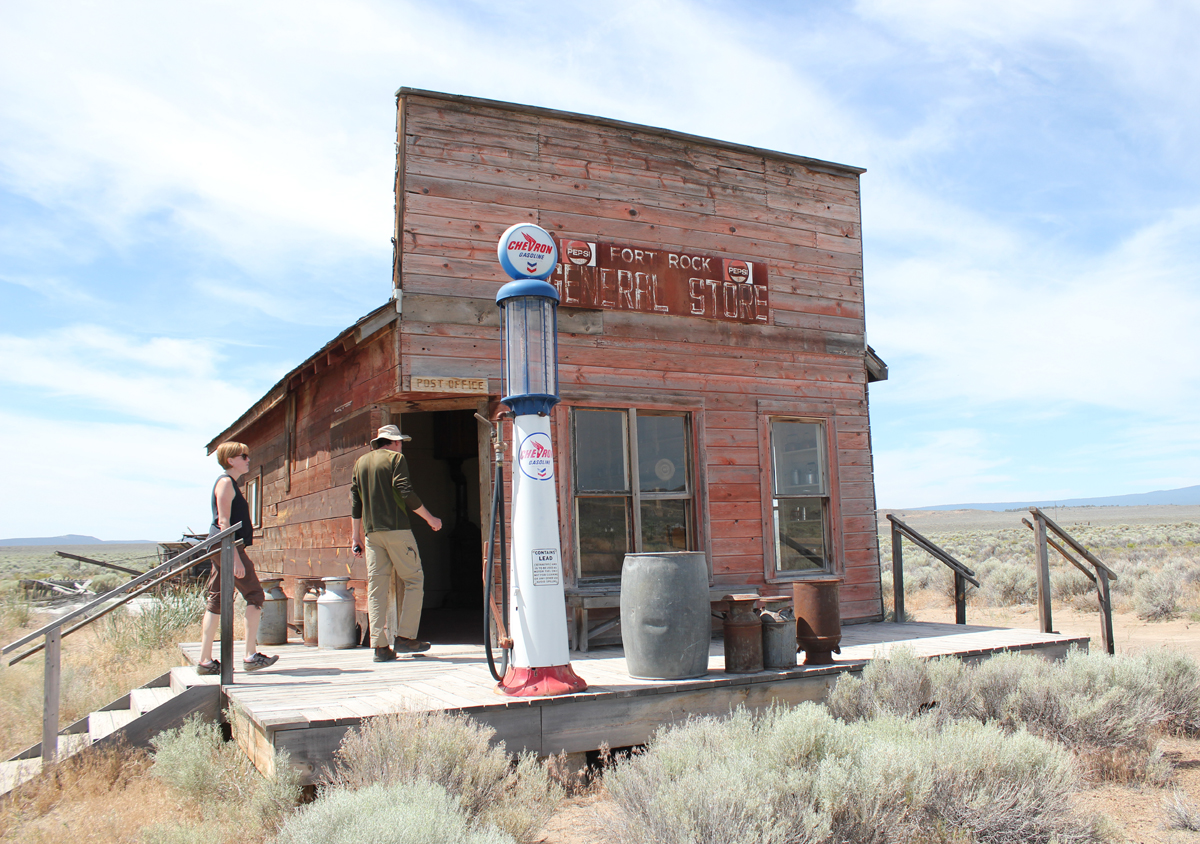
[443,458]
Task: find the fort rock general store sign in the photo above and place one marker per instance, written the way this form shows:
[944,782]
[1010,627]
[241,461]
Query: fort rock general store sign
[616,277]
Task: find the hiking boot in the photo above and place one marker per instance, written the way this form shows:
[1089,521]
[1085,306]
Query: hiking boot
[213,666]
[258,661]
[384,654]
[410,646]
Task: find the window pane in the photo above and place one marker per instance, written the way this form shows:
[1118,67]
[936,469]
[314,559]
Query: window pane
[798,454]
[603,525]
[665,525]
[600,452]
[662,453]
[800,534]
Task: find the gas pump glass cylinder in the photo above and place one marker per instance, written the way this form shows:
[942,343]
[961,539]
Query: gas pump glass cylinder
[530,345]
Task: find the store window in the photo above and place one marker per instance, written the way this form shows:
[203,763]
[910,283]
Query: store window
[634,488]
[800,500]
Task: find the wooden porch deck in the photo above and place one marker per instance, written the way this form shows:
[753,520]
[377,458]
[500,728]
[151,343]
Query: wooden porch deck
[305,703]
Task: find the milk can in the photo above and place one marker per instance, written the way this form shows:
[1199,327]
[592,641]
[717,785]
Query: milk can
[312,591]
[778,634]
[335,615]
[743,636]
[272,626]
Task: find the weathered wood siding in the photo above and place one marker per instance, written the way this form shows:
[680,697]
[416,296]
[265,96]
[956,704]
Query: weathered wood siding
[306,488]
[468,170]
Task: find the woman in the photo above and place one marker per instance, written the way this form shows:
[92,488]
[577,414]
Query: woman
[230,506]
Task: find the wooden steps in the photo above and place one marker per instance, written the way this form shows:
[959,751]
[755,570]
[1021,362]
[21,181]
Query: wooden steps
[162,704]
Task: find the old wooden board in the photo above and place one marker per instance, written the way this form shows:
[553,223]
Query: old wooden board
[306,702]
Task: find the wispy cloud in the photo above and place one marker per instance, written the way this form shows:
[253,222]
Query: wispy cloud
[159,380]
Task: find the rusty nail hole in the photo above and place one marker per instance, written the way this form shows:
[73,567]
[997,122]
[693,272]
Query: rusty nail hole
[632,212]
[733,228]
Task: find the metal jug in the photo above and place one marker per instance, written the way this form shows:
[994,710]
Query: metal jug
[778,634]
[272,627]
[743,636]
[312,591]
[335,615]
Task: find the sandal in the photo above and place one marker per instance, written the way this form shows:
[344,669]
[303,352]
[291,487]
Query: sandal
[259,661]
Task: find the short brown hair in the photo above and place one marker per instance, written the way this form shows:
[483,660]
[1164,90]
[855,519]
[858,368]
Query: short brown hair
[228,451]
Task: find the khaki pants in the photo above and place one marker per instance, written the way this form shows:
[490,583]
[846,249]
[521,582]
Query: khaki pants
[395,585]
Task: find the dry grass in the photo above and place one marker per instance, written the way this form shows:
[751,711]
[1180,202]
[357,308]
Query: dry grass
[100,663]
[94,796]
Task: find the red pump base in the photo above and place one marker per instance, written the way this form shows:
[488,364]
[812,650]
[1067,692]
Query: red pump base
[540,682]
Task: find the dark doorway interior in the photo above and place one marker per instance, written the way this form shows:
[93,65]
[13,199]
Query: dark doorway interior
[444,460]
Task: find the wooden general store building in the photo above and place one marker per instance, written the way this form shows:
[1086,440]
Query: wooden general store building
[713,363]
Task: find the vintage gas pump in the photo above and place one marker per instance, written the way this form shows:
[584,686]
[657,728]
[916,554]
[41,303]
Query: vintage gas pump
[541,662]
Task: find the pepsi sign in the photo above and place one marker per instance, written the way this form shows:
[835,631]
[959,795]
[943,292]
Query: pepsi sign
[527,251]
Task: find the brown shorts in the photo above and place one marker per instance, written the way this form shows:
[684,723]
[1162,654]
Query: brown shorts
[249,586]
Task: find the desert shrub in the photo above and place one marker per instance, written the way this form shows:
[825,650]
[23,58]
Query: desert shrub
[105,583]
[454,752]
[203,769]
[1009,584]
[15,609]
[1181,812]
[1107,710]
[800,775]
[414,812]
[1156,597]
[1069,583]
[1175,680]
[157,623]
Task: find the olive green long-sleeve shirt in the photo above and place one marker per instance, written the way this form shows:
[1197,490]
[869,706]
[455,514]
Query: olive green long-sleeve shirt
[381,492]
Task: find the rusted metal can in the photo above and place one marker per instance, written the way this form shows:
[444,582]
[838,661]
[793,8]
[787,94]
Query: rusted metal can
[818,619]
[743,636]
[312,591]
[778,634]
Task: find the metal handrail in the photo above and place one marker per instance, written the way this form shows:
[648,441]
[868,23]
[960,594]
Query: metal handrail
[962,574]
[53,632]
[1103,574]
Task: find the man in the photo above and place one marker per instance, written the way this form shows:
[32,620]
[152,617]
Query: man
[381,497]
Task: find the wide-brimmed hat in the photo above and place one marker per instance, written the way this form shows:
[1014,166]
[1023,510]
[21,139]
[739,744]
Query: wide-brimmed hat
[390,432]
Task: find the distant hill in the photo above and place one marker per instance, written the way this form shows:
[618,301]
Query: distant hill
[73,539]
[1188,495]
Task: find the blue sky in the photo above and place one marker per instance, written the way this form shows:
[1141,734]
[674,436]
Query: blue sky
[195,197]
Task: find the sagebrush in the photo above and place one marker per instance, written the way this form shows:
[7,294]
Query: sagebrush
[1110,711]
[801,775]
[455,752]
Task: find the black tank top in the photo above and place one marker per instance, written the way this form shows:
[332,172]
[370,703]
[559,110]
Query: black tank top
[239,511]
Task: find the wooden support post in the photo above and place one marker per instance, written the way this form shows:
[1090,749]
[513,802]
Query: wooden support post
[1043,573]
[960,598]
[50,697]
[1106,622]
[897,573]
[227,553]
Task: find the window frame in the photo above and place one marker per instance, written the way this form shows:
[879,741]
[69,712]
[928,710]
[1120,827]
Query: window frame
[634,496]
[252,492]
[829,497]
